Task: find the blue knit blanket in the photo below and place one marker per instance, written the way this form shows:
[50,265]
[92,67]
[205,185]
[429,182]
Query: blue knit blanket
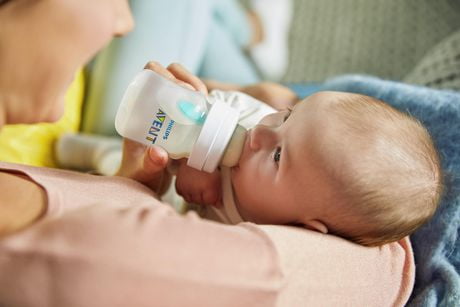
[436,244]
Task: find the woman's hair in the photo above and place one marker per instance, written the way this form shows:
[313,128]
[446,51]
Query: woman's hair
[393,184]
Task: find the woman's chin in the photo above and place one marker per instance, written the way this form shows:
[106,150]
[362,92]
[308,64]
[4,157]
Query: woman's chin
[57,112]
[54,116]
[49,117]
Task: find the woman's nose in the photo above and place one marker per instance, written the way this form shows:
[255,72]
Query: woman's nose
[125,21]
[263,137]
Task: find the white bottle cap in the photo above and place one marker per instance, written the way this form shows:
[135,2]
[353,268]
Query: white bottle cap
[214,137]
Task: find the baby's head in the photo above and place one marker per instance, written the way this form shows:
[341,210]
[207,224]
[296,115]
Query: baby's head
[341,163]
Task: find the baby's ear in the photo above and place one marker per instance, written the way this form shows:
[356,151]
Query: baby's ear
[316,226]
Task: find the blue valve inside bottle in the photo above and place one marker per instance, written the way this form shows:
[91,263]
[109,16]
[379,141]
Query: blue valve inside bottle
[192,111]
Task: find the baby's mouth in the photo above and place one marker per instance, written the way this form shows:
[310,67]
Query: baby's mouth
[243,151]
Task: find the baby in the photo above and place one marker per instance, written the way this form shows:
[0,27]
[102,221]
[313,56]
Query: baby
[337,163]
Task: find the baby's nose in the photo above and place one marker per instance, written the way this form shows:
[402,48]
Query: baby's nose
[261,137]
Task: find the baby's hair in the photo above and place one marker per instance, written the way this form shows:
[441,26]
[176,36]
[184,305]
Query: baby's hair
[394,183]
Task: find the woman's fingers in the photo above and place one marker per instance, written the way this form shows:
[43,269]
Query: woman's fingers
[178,74]
[155,160]
[154,173]
[184,75]
[159,69]
[146,165]
[132,158]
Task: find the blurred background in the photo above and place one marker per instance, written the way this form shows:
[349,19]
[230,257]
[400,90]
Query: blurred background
[296,42]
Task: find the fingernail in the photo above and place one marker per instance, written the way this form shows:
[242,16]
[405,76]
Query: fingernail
[157,156]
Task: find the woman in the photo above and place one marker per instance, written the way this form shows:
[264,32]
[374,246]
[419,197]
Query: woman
[71,239]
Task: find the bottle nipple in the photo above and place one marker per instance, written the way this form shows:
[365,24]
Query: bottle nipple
[235,147]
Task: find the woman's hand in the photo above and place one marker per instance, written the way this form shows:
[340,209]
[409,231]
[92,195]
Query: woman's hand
[147,164]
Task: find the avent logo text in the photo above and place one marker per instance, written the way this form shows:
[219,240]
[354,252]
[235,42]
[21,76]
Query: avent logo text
[155,127]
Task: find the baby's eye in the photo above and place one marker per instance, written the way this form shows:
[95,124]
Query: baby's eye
[277,154]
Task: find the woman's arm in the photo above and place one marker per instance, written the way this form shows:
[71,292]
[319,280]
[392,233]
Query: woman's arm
[22,202]
[141,255]
[148,255]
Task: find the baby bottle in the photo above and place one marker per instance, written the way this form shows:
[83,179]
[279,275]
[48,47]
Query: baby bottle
[157,111]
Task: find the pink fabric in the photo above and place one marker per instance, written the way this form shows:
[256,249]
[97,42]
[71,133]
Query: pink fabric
[107,241]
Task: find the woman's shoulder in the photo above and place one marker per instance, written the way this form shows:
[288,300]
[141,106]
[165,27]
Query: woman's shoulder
[17,186]
[22,201]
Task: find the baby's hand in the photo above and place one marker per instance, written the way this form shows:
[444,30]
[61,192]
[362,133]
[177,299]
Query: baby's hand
[275,95]
[199,187]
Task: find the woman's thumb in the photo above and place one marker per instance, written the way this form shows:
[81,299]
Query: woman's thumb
[155,159]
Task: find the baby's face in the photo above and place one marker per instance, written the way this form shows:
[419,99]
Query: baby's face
[281,177]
